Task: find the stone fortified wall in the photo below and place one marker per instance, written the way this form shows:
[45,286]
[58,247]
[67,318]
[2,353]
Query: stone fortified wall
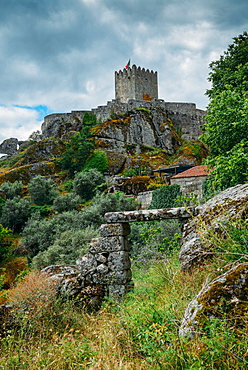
[136,83]
[184,116]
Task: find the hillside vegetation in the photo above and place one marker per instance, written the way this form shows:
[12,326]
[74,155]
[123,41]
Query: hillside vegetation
[54,197]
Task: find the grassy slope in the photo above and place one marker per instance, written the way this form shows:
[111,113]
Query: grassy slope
[139,334]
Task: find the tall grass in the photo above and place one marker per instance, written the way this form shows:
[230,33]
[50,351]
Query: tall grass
[141,333]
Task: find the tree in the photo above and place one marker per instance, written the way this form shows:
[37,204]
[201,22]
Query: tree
[15,214]
[231,69]
[226,121]
[85,183]
[80,147]
[42,190]
[229,170]
[12,190]
[226,127]
[66,202]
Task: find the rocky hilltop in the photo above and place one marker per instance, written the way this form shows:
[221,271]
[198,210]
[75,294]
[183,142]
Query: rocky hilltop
[147,134]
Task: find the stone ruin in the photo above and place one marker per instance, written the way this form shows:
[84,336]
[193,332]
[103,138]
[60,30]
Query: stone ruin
[106,269]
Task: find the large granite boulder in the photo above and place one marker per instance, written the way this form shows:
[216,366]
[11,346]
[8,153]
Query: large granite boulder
[57,125]
[226,295]
[231,202]
[139,129]
[9,146]
[29,171]
[42,150]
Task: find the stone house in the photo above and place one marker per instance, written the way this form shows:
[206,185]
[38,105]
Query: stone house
[191,180]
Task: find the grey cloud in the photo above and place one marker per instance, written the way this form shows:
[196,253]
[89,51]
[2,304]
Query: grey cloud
[63,54]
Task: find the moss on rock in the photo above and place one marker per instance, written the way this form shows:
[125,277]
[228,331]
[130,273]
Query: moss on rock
[27,172]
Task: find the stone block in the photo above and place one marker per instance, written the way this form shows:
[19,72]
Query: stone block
[119,229]
[86,264]
[119,261]
[102,269]
[120,277]
[101,259]
[108,244]
[117,292]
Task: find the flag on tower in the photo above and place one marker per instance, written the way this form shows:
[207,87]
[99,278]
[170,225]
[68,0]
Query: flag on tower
[128,64]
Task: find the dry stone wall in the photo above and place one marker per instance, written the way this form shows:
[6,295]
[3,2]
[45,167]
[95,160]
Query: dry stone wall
[106,269]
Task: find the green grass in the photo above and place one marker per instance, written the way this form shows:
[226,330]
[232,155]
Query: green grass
[141,333]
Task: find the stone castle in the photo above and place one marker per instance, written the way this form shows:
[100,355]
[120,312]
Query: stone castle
[136,83]
[135,88]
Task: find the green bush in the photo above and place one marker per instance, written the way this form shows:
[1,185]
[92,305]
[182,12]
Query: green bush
[39,234]
[85,183]
[67,248]
[165,197]
[15,213]
[2,203]
[97,160]
[4,247]
[153,241]
[66,202]
[42,190]
[68,186]
[41,210]
[12,190]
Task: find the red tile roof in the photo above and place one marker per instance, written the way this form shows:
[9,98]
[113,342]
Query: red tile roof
[196,171]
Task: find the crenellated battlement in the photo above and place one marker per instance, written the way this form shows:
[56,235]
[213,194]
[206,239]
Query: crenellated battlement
[135,88]
[136,83]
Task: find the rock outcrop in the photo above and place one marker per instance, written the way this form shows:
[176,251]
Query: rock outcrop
[9,146]
[231,202]
[227,294]
[29,171]
[42,150]
[136,131]
[58,124]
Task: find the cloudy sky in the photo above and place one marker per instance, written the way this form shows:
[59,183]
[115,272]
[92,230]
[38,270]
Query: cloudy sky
[60,55]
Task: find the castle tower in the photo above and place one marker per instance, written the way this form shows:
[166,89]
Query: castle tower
[136,83]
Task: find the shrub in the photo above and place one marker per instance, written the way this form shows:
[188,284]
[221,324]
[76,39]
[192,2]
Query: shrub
[165,197]
[41,210]
[4,246]
[34,303]
[153,241]
[42,190]
[67,248]
[68,186]
[2,203]
[85,183]
[66,202]
[97,160]
[15,213]
[39,234]
[12,190]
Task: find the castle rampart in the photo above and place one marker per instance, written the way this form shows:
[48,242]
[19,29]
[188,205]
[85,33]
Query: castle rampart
[136,83]
[135,88]
[185,116]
